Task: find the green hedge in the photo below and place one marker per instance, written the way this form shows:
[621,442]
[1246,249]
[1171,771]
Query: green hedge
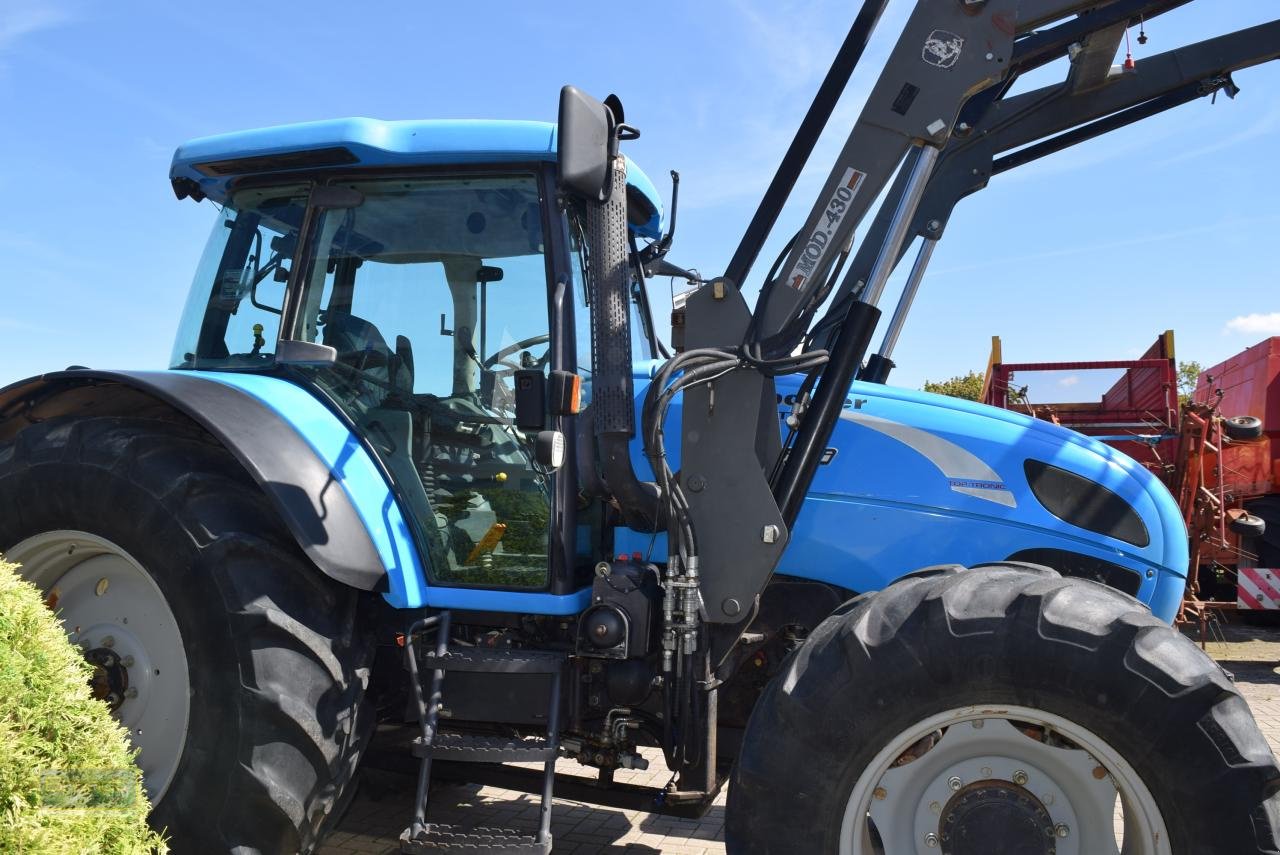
[67,779]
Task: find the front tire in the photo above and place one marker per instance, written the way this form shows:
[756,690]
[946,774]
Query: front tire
[872,723]
[275,662]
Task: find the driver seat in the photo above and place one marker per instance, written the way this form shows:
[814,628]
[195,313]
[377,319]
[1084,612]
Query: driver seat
[352,335]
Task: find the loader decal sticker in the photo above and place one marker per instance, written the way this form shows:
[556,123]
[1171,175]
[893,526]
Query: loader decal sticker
[942,48]
[828,224]
[965,472]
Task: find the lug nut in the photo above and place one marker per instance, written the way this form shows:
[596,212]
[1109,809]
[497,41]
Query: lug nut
[955,783]
[127,661]
[931,840]
[1062,830]
[1020,778]
[109,641]
[131,693]
[101,588]
[880,794]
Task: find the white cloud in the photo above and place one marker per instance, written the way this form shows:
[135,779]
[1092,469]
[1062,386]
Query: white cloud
[1069,380]
[1255,324]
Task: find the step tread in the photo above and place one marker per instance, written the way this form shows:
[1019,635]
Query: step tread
[471,748]
[437,837]
[496,660]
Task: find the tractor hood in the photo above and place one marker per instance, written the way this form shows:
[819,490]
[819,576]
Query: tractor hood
[912,479]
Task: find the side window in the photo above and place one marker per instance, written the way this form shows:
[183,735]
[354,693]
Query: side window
[232,317]
[582,311]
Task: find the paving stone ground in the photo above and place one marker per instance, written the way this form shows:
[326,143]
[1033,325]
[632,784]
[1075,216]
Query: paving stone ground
[384,804]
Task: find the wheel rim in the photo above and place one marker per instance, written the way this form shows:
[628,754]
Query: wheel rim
[952,772]
[113,609]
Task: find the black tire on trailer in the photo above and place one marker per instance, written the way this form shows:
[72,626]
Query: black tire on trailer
[1248,525]
[1242,427]
[276,661]
[1064,673]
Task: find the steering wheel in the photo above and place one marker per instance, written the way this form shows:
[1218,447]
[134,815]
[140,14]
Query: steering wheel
[500,358]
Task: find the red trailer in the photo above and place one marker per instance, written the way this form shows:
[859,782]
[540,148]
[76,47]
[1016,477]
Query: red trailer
[1249,383]
[1138,413]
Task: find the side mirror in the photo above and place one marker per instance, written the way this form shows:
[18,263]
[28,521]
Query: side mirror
[586,141]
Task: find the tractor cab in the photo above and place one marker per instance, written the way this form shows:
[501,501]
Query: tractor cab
[413,274]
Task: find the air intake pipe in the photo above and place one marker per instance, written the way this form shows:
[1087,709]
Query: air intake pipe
[612,389]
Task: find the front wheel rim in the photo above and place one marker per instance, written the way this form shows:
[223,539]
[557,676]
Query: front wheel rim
[1046,771]
[113,609]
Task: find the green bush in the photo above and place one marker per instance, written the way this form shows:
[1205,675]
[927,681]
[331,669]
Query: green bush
[68,783]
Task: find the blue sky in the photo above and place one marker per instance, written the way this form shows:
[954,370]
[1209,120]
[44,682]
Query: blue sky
[1172,223]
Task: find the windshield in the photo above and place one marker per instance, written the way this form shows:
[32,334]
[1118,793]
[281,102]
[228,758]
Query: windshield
[433,292]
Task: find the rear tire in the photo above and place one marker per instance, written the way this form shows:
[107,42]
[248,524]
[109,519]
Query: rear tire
[276,660]
[982,640]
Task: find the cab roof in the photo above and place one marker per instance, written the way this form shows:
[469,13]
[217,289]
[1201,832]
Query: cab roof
[209,165]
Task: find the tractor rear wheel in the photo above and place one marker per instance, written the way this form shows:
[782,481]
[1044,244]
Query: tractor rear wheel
[1002,709]
[237,667]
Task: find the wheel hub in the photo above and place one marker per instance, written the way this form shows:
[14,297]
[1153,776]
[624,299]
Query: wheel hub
[110,680]
[996,816]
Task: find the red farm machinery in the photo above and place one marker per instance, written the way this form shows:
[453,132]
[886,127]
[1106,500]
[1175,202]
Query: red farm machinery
[1217,449]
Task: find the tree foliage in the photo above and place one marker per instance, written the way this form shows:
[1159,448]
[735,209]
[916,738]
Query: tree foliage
[68,782]
[967,386]
[1188,376]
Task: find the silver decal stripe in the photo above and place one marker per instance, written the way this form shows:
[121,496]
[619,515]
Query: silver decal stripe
[965,472]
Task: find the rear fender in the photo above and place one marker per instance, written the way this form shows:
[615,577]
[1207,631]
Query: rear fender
[322,482]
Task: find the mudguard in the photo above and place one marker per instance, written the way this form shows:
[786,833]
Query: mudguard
[326,487]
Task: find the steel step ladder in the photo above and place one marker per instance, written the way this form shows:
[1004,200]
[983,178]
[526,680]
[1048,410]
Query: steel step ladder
[430,837]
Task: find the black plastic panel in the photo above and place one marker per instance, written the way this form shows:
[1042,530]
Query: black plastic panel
[1075,499]
[1083,567]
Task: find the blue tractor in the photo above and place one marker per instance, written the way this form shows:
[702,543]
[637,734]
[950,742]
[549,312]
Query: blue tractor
[422,467]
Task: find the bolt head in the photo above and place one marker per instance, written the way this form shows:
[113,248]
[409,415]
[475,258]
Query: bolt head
[931,840]
[770,534]
[880,794]
[127,661]
[990,56]
[955,783]
[1062,830]
[731,606]
[934,225]
[1020,778]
